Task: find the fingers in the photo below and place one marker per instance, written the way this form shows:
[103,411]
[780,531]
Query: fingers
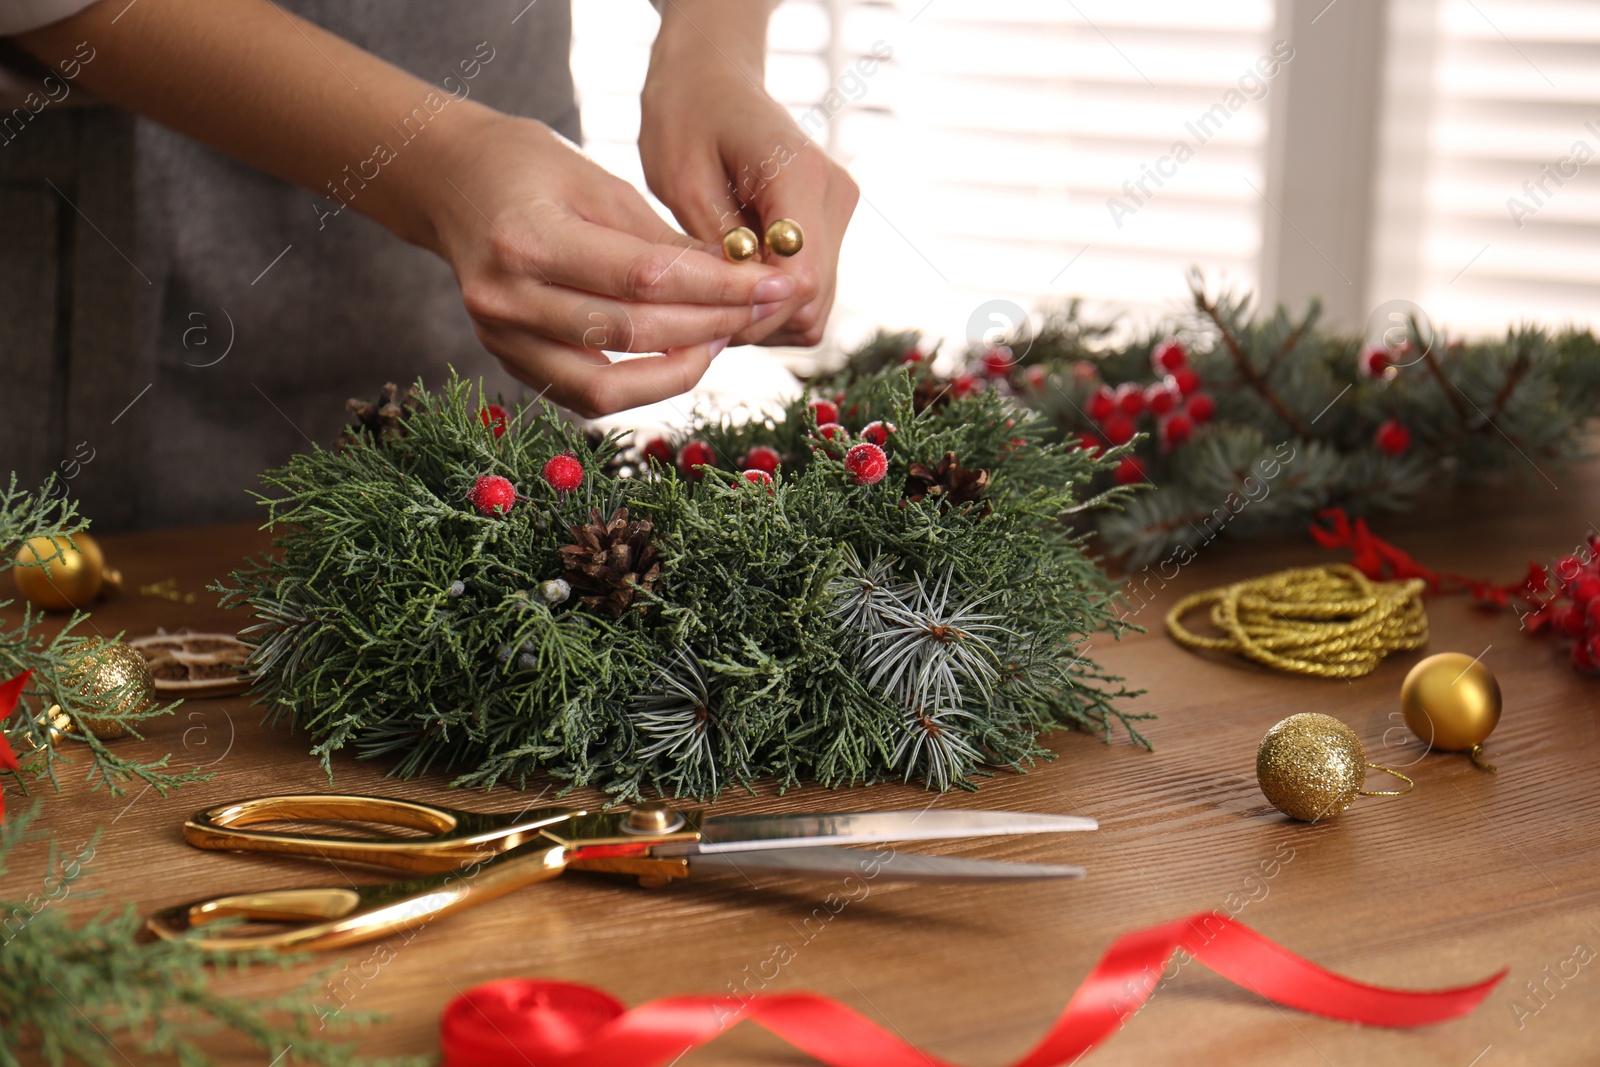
[821,197]
[584,320]
[580,254]
[591,385]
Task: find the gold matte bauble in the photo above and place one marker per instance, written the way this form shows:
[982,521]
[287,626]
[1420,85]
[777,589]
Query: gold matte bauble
[1451,702]
[785,237]
[1310,766]
[740,244]
[60,584]
[114,678]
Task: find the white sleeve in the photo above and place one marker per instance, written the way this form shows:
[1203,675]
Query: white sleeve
[18,16]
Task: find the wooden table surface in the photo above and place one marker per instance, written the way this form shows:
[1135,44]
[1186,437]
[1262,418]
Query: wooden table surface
[1471,873]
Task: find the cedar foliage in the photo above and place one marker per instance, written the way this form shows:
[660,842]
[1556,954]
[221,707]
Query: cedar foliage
[400,623]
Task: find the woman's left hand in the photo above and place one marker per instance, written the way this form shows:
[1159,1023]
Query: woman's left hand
[721,153]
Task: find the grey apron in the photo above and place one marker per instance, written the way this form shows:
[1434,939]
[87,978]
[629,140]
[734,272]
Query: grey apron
[319,307]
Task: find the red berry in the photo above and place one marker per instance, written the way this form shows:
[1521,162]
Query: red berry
[1036,378]
[492,494]
[1012,445]
[1168,356]
[1186,379]
[761,458]
[824,411]
[1568,620]
[910,358]
[877,432]
[495,416]
[1200,408]
[1393,438]
[997,362]
[1160,398]
[1093,442]
[659,451]
[1128,471]
[964,385]
[1119,429]
[866,464]
[757,476]
[1374,362]
[564,472]
[1593,613]
[694,455]
[832,431]
[1584,590]
[1176,429]
[1130,398]
[1084,370]
[1568,568]
[1101,404]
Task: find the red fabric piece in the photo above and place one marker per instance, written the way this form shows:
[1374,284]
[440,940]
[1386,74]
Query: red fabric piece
[561,1024]
[10,693]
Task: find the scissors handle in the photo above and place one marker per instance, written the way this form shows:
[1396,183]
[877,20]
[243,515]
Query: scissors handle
[452,839]
[292,920]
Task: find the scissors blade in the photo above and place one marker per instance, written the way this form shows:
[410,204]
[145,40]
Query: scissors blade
[831,863]
[756,833]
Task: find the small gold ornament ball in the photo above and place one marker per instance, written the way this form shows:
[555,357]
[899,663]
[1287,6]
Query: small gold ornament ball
[1451,701]
[1310,766]
[785,237]
[73,581]
[115,678]
[740,244]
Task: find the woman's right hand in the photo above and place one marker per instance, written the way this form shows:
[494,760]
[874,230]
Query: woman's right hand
[560,261]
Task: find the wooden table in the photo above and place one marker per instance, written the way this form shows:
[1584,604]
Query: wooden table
[1471,873]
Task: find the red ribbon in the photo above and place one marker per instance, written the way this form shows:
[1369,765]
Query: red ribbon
[1381,561]
[560,1024]
[10,693]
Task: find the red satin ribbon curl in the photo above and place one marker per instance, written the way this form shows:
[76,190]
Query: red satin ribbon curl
[10,693]
[560,1024]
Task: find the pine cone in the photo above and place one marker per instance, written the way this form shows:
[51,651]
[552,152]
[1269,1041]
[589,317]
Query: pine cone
[952,483]
[383,419]
[612,563]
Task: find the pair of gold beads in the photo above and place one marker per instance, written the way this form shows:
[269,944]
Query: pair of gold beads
[784,237]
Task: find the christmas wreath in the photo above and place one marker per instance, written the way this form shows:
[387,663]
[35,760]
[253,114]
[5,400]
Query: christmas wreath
[860,588]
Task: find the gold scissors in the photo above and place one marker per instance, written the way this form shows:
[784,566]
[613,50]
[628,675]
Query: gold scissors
[465,858]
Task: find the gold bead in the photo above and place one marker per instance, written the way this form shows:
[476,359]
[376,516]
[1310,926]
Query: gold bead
[72,581]
[1451,701]
[785,237]
[740,244]
[1310,766]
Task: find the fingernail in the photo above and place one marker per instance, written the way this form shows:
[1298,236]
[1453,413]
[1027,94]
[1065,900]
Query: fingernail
[778,287]
[763,310]
[718,345]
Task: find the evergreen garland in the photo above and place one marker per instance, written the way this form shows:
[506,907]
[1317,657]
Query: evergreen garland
[813,628]
[1304,418]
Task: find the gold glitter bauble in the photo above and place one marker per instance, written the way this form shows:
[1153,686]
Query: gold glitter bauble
[1311,767]
[1451,701]
[785,237]
[114,678]
[740,244]
[72,581]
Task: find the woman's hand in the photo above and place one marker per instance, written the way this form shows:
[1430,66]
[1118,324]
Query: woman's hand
[722,153]
[560,261]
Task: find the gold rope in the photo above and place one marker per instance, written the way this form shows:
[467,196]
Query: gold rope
[1330,621]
